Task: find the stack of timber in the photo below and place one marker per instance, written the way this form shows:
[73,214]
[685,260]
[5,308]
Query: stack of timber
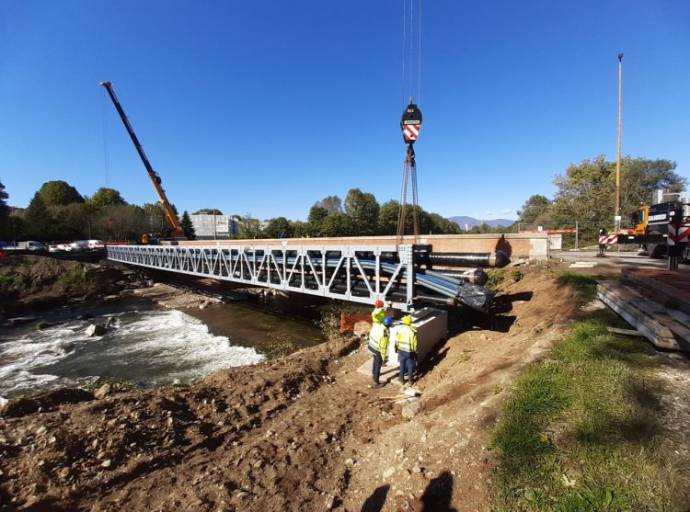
[656,304]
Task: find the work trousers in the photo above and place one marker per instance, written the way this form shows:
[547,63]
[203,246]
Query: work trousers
[376,367]
[408,364]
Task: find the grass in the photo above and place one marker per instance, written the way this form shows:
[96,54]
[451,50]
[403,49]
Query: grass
[496,276]
[74,280]
[581,432]
[585,286]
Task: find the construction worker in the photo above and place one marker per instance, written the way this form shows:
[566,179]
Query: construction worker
[406,347]
[602,244]
[379,312]
[378,346]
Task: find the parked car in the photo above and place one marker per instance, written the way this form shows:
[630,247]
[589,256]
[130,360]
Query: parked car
[95,244]
[79,245]
[32,245]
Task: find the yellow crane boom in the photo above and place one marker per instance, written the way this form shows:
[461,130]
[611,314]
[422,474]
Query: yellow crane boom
[170,216]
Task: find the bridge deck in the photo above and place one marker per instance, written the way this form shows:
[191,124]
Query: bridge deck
[352,273]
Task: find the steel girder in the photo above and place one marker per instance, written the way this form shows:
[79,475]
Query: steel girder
[350,273]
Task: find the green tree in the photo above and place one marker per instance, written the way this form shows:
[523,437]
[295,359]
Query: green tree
[71,222]
[536,208]
[332,204]
[187,226]
[586,192]
[363,211]
[105,197]
[337,224]
[317,216]
[279,227]
[37,218]
[4,211]
[441,225]
[59,193]
[155,216]
[388,217]
[208,211]
[249,227]
[119,222]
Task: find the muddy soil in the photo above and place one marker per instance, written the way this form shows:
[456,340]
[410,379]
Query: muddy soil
[301,433]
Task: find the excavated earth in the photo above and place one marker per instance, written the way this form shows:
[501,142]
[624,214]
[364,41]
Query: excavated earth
[302,433]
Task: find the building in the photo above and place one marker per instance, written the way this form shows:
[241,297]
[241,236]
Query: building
[214,227]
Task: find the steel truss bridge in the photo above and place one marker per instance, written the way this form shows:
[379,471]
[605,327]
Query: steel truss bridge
[363,274]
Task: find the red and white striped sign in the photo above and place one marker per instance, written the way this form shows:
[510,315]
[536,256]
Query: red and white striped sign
[678,234]
[411,132]
[608,239]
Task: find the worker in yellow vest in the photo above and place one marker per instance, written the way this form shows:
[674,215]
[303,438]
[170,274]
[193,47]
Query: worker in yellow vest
[406,347]
[379,312]
[378,346]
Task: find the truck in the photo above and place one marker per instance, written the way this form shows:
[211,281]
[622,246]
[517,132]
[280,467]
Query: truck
[651,225]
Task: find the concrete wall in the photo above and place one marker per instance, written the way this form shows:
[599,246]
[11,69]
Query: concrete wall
[515,245]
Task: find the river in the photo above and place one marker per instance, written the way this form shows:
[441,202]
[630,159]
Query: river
[145,345]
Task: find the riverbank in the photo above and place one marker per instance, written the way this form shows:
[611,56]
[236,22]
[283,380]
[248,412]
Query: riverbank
[305,432]
[302,432]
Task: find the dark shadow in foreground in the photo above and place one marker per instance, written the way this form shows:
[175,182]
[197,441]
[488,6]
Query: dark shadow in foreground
[377,500]
[438,494]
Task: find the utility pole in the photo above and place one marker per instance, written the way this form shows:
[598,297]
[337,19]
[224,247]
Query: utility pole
[617,214]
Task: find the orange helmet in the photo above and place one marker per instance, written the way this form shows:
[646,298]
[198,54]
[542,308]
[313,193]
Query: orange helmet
[378,304]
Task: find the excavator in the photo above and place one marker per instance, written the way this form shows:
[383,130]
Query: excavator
[174,227]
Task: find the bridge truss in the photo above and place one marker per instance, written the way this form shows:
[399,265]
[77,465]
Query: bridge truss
[352,273]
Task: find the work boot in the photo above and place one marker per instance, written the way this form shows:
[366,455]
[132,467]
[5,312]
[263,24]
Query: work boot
[401,381]
[376,385]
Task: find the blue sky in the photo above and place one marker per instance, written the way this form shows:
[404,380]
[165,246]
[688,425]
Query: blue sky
[264,107]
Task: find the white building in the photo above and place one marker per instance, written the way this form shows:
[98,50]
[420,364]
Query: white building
[213,227]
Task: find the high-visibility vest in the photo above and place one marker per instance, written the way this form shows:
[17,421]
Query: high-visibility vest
[378,315]
[378,338]
[406,339]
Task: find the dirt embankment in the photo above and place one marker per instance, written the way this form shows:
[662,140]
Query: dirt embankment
[300,433]
[40,281]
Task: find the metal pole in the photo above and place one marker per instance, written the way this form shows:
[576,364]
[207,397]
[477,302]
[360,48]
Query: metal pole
[620,136]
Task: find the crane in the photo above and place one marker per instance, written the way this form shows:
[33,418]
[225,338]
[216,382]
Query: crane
[170,215]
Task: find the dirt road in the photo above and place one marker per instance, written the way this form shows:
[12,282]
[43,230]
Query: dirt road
[300,433]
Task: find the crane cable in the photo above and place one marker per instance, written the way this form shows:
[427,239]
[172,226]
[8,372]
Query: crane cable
[411,83]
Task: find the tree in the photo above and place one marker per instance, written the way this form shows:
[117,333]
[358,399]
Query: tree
[535,208]
[337,224]
[119,222]
[37,218]
[208,211]
[249,227]
[187,226]
[388,217]
[155,216]
[279,227]
[586,192]
[317,215]
[59,193]
[363,211]
[332,204]
[71,222]
[106,197]
[441,225]
[4,211]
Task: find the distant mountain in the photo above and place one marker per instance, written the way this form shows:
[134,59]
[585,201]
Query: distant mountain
[468,223]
